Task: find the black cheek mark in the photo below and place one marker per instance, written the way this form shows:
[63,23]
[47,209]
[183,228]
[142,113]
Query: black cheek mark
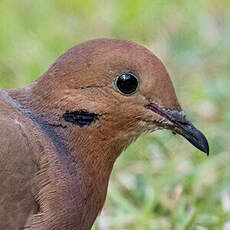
[80,117]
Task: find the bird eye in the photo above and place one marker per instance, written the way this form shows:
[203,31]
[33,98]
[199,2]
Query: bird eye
[127,83]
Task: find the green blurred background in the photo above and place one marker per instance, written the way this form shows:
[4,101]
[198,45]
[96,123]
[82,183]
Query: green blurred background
[161,181]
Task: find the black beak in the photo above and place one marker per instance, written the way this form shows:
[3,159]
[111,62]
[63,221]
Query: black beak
[192,134]
[178,123]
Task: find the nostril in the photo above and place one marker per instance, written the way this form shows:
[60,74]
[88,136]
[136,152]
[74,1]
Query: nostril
[171,115]
[178,116]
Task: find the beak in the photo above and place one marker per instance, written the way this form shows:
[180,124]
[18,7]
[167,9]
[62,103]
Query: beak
[178,123]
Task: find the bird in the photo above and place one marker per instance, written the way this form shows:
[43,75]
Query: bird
[61,135]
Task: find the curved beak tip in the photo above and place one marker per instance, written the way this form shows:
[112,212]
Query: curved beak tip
[204,146]
[195,137]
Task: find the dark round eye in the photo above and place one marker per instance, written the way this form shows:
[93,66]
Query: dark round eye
[127,83]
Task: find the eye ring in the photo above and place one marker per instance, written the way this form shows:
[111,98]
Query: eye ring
[127,83]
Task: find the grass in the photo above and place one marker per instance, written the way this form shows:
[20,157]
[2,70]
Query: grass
[161,182]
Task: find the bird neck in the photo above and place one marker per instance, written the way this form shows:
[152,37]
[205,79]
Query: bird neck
[83,156]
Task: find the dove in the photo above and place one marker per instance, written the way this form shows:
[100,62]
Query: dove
[61,135]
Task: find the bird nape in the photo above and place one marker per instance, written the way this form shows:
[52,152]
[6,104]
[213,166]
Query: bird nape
[62,134]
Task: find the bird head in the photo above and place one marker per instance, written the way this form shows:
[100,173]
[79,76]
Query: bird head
[116,87]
